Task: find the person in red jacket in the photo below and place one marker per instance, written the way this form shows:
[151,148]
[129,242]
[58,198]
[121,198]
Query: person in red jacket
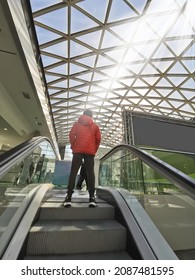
[85,138]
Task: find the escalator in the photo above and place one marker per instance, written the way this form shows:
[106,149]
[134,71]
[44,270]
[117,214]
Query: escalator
[34,225]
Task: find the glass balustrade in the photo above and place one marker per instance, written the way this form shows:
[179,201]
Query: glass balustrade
[35,168]
[171,210]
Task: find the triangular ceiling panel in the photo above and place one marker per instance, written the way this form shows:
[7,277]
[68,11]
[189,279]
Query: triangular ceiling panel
[190,51]
[73,83]
[92,39]
[38,5]
[163,51]
[181,27]
[59,49]
[77,49]
[178,46]
[120,10]
[188,108]
[103,61]
[117,54]
[138,5]
[177,68]
[76,68]
[125,30]
[177,80]
[50,78]
[98,77]
[85,76]
[188,94]
[80,21]
[62,69]
[62,84]
[55,19]
[144,33]
[189,84]
[110,40]
[90,6]
[45,35]
[176,95]
[190,64]
[88,61]
[47,60]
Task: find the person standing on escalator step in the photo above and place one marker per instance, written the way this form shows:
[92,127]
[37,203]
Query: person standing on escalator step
[85,138]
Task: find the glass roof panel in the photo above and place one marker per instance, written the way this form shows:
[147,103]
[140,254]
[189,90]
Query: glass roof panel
[176,80]
[62,69]
[161,6]
[50,78]
[59,49]
[125,30]
[188,94]
[120,10]
[103,61]
[62,84]
[92,39]
[77,49]
[45,35]
[179,46]
[80,21]
[89,60]
[75,68]
[56,19]
[90,7]
[163,51]
[181,28]
[47,60]
[110,40]
[189,64]
[139,5]
[38,5]
[110,55]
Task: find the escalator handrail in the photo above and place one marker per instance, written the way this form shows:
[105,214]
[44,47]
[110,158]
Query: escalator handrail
[181,180]
[11,157]
[8,155]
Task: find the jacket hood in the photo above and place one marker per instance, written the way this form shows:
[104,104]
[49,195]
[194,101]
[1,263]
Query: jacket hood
[85,120]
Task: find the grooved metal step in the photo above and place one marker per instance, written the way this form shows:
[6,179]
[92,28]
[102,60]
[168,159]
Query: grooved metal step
[115,255]
[79,211]
[72,237]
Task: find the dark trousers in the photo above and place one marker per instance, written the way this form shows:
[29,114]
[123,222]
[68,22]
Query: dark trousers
[81,179]
[89,165]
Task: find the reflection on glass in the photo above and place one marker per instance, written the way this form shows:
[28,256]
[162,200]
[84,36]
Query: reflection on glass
[37,167]
[171,210]
[185,162]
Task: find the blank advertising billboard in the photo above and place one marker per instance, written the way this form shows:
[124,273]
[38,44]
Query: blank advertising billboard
[162,134]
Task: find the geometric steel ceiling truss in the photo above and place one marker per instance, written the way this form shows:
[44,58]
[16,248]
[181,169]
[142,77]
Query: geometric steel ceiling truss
[115,55]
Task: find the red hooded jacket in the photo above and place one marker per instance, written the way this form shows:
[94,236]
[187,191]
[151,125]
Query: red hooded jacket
[85,136]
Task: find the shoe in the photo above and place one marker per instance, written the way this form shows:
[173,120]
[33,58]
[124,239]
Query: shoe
[67,201]
[92,202]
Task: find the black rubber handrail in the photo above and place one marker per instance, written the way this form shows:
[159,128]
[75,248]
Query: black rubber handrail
[9,158]
[178,178]
[8,155]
